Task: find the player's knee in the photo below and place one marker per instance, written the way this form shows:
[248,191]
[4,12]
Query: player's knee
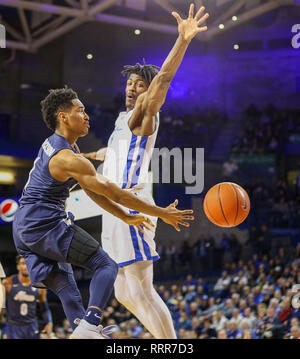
[113,268]
[142,295]
[101,260]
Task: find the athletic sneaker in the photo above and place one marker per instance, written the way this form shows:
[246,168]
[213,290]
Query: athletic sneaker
[85,330]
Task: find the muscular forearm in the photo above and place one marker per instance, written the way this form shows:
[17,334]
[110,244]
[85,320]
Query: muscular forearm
[174,59]
[45,312]
[107,204]
[114,193]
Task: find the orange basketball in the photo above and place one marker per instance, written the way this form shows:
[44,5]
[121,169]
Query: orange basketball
[226,204]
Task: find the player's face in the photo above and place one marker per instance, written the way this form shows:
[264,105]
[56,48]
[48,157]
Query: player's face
[136,85]
[22,268]
[77,119]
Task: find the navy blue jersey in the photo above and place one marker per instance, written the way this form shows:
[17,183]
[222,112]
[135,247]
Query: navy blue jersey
[41,186]
[42,229]
[21,302]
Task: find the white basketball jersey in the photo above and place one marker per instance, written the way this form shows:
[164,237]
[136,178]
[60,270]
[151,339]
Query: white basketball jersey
[128,156]
[126,163]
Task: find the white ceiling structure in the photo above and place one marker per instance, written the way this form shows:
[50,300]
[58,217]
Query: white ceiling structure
[38,22]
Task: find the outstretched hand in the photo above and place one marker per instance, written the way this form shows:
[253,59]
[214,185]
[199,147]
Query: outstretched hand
[191,26]
[139,221]
[174,216]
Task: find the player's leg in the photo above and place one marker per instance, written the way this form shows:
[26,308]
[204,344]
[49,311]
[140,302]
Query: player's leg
[145,303]
[64,286]
[86,252]
[122,293]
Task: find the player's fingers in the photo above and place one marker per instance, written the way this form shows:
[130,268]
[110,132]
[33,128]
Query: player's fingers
[175,203]
[177,17]
[199,12]
[186,211]
[140,229]
[188,218]
[184,223]
[148,220]
[203,19]
[175,225]
[148,225]
[191,11]
[201,29]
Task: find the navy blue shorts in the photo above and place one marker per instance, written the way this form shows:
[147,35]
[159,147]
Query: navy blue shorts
[22,331]
[42,235]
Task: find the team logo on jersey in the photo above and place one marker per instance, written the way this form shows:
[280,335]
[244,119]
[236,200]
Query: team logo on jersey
[8,209]
[23,296]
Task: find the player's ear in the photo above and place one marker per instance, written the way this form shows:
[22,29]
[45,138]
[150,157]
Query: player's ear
[62,117]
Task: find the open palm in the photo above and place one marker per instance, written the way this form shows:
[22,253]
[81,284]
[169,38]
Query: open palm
[174,217]
[191,26]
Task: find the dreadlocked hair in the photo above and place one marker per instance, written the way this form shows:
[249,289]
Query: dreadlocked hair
[148,72]
[57,100]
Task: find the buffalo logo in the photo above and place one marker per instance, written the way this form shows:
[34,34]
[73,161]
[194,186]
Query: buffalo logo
[8,210]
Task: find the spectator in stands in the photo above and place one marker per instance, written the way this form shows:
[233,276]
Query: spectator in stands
[184,322]
[273,328]
[228,308]
[134,329]
[191,294]
[219,321]
[222,334]
[237,317]
[222,284]
[248,318]
[171,255]
[232,330]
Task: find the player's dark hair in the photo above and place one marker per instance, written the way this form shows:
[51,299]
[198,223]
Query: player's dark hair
[57,100]
[148,72]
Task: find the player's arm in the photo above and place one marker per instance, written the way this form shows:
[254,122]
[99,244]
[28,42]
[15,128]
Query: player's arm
[150,102]
[66,164]
[111,207]
[97,155]
[45,312]
[2,295]
[5,288]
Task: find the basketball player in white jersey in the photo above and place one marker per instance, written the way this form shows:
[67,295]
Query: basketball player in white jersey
[126,162]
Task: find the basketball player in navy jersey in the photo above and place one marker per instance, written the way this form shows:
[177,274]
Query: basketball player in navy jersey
[46,236]
[130,148]
[21,306]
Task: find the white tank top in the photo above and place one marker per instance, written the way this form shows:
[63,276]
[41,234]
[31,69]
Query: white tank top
[128,156]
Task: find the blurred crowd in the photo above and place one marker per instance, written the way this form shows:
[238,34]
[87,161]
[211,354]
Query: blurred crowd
[277,204]
[266,131]
[252,300]
[256,299]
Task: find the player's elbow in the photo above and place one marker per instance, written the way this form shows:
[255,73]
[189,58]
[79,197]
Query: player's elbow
[164,78]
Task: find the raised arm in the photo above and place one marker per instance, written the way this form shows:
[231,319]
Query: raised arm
[150,102]
[66,164]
